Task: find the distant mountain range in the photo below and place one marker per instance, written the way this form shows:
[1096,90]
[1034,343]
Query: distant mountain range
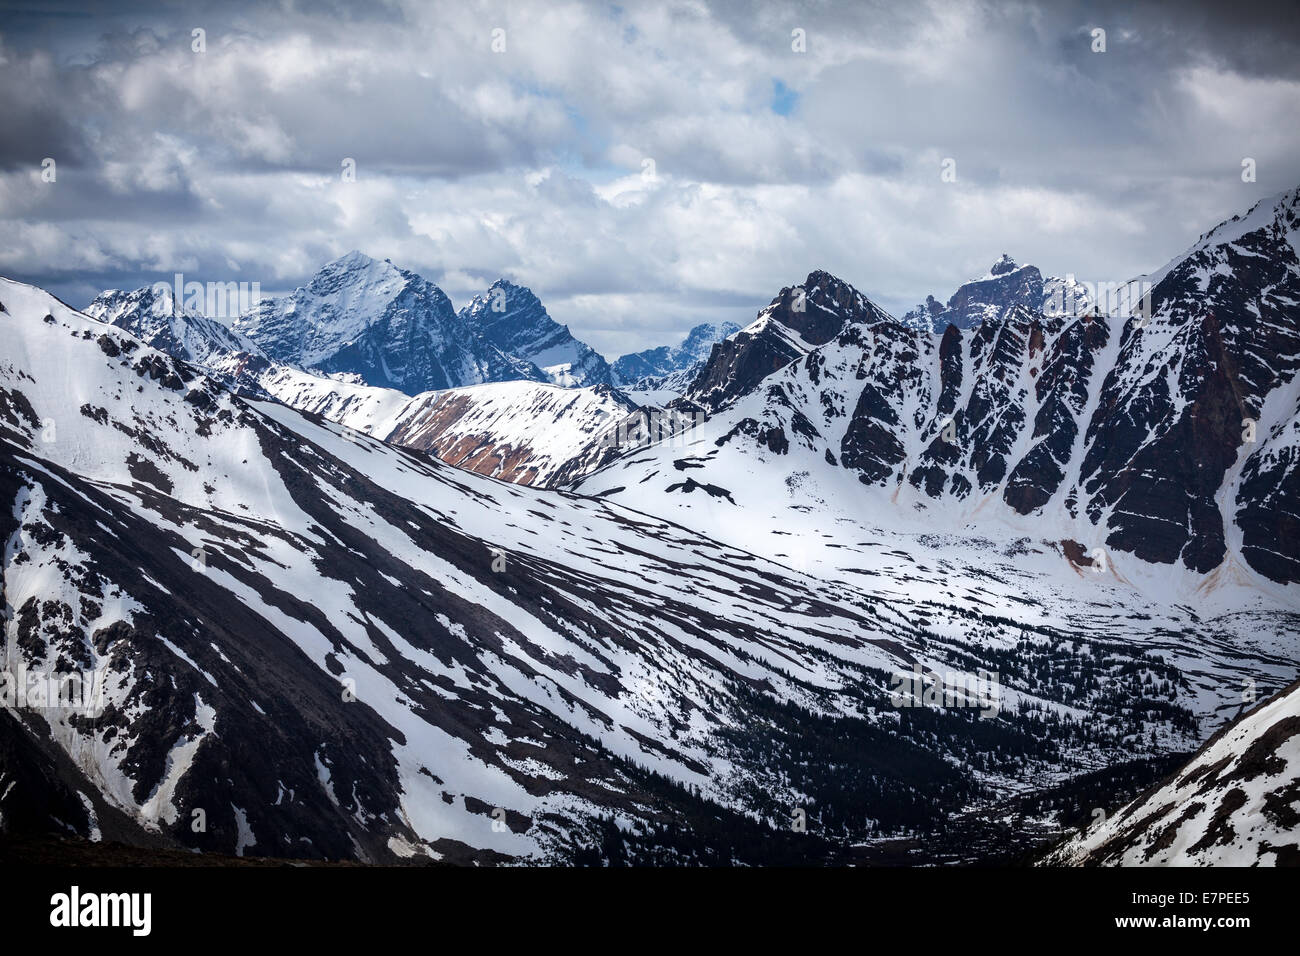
[654,365]
[497,387]
[383,325]
[369,322]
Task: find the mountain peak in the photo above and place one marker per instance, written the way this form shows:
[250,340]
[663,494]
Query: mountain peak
[1279,208]
[821,279]
[365,275]
[355,259]
[512,318]
[1006,285]
[389,326]
[1004,265]
[513,292]
[834,296]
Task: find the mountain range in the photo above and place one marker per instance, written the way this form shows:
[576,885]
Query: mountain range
[686,646]
[366,321]
[1169,437]
[498,387]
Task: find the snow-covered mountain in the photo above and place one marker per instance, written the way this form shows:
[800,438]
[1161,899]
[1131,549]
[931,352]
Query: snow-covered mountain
[659,363]
[798,320]
[386,326]
[513,320]
[1170,438]
[523,431]
[1235,803]
[1006,287]
[320,645]
[373,323]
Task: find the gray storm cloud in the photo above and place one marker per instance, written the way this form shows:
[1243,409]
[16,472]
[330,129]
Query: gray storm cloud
[633,165]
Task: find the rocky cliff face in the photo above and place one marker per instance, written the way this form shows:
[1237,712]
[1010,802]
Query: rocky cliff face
[1199,404]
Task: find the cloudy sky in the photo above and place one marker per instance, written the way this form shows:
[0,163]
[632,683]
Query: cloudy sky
[642,167]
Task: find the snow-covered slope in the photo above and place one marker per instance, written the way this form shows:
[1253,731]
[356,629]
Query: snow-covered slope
[512,319]
[525,432]
[522,432]
[336,647]
[386,326]
[362,408]
[1235,803]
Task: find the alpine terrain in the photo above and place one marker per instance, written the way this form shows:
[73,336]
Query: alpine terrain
[366,578]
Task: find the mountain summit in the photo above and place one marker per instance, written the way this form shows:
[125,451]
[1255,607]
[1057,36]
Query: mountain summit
[1006,286]
[385,325]
[1004,265]
[800,319]
[510,318]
